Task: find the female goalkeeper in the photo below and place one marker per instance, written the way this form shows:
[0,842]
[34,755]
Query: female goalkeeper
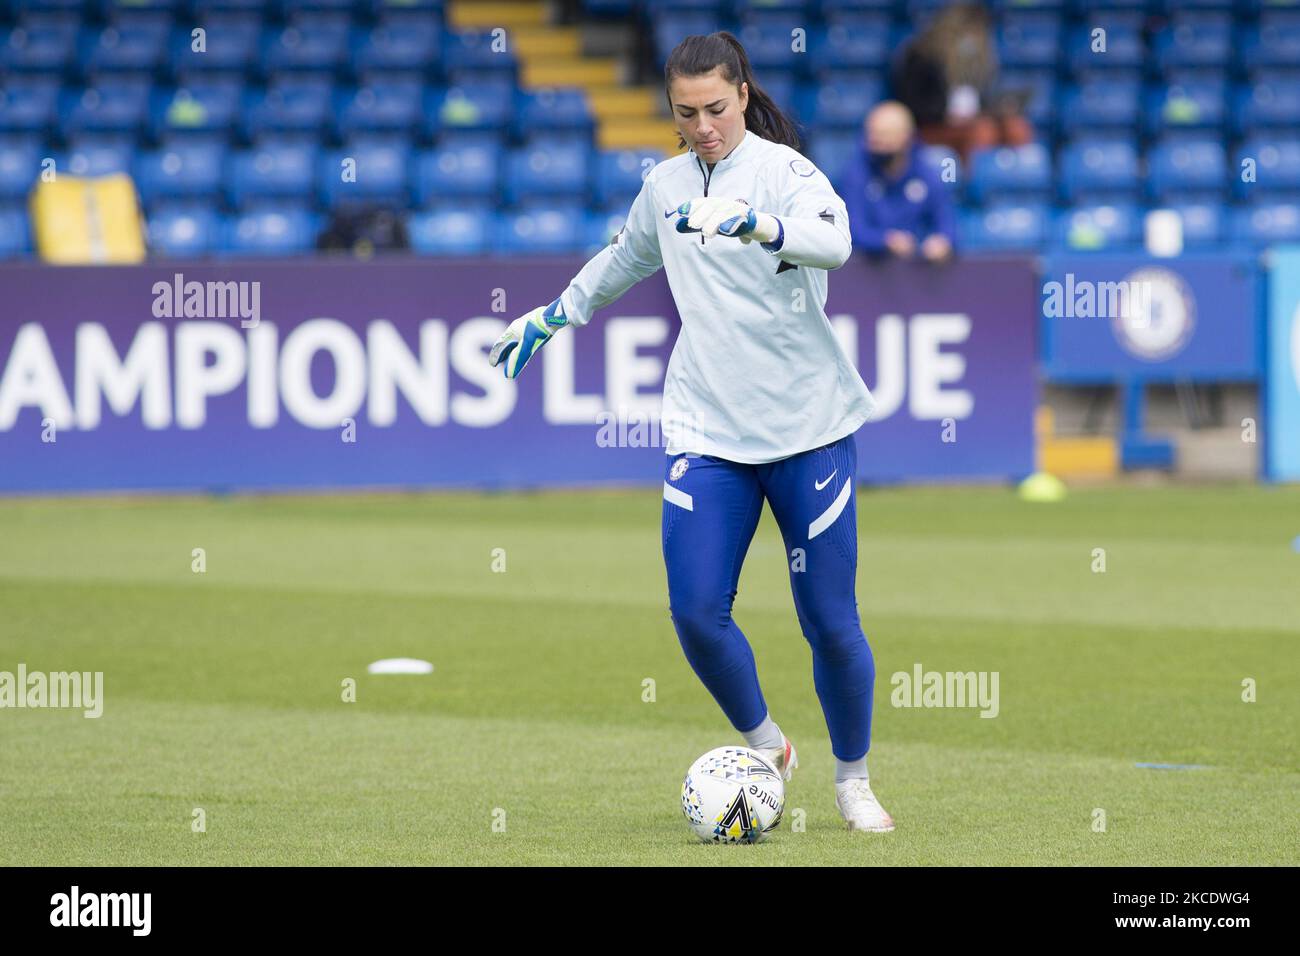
[760,401]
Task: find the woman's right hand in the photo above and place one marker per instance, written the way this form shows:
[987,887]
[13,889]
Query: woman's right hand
[525,336]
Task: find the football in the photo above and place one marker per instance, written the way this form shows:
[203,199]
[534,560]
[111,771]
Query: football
[733,795]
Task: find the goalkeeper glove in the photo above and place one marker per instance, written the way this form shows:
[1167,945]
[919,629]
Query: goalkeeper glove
[525,336]
[713,216]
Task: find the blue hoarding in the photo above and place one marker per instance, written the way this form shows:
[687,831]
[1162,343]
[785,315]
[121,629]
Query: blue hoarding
[1108,318]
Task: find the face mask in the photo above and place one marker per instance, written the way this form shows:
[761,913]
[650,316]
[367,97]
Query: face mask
[881,160]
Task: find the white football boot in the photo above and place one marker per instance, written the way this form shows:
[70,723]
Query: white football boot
[783,758]
[860,808]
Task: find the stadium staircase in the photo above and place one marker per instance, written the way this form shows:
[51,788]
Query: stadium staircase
[627,117]
[1073,456]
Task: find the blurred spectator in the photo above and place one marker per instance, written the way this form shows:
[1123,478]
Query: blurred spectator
[363,231]
[897,204]
[946,75]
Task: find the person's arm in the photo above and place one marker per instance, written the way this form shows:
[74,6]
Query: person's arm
[812,228]
[631,256]
[942,219]
[937,240]
[853,186]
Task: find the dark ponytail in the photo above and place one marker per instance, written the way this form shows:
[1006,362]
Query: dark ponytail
[698,54]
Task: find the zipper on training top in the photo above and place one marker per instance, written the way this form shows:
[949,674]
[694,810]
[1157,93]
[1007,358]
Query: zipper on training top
[707,176]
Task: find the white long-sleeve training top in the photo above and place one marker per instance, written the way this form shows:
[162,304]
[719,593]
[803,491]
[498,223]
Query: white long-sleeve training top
[756,374]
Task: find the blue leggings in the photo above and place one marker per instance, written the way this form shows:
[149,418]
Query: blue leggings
[711,509]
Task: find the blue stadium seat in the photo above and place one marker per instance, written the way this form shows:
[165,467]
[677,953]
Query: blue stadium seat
[230,44]
[671,28]
[380,106]
[113,10]
[450,232]
[1029,40]
[783,87]
[28,9]
[273,230]
[1204,223]
[468,170]
[92,158]
[111,107]
[130,45]
[46,48]
[864,45]
[481,106]
[1273,42]
[1193,104]
[1277,165]
[313,6]
[207,105]
[1265,223]
[1096,228]
[659,7]
[275,171]
[20,167]
[757,9]
[1197,166]
[947,166]
[15,240]
[184,230]
[472,53]
[607,10]
[1092,168]
[306,46]
[1271,99]
[397,45]
[1005,226]
[842,101]
[28,105]
[601,227]
[556,229]
[620,173]
[1195,39]
[558,169]
[837,9]
[1124,48]
[768,45]
[491,139]
[417,9]
[289,106]
[381,173]
[229,6]
[320,17]
[920,12]
[832,150]
[1101,102]
[182,170]
[1011,169]
[552,110]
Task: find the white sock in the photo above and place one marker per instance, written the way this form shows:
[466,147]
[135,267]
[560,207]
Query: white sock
[848,769]
[765,736]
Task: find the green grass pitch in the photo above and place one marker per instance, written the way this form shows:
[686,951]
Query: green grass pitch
[224,690]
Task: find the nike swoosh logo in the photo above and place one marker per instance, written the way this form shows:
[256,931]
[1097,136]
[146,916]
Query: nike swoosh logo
[822,484]
[669,214]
